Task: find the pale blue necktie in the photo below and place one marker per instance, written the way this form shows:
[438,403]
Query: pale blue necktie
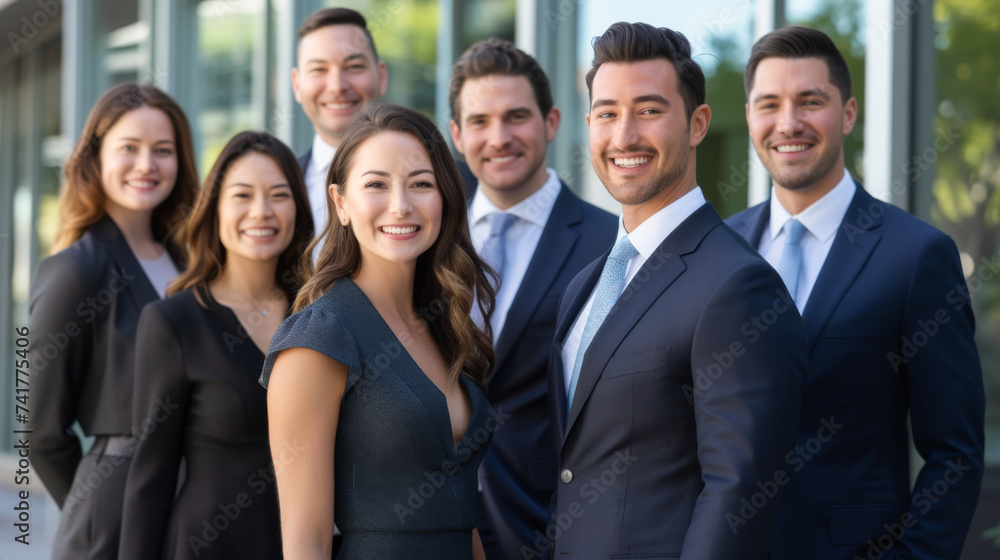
[609,287]
[492,252]
[790,264]
[493,249]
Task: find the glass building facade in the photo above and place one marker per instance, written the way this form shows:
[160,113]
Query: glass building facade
[925,74]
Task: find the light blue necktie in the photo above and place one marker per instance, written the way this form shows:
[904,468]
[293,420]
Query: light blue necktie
[791,257]
[492,252]
[609,287]
[493,249]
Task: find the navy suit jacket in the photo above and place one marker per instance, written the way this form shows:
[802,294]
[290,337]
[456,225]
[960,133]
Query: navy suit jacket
[686,404]
[519,469]
[890,332]
[304,160]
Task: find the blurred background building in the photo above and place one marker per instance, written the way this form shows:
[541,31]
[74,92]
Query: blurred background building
[925,74]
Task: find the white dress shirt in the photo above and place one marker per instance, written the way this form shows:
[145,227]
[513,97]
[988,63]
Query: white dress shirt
[315,176]
[645,238]
[821,220]
[520,241]
[160,271]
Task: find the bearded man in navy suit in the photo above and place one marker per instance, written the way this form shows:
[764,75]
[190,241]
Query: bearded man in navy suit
[889,322]
[676,376]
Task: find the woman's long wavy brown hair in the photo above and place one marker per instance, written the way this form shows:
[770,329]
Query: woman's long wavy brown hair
[447,274]
[207,255]
[82,202]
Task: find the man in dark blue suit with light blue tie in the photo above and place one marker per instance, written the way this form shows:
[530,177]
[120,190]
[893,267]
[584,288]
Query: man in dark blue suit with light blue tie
[676,377]
[889,322]
[537,234]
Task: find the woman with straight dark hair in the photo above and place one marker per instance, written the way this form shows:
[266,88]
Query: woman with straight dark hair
[199,354]
[129,181]
[378,377]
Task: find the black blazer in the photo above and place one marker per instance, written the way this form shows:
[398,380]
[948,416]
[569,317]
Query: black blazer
[197,397]
[519,470]
[890,330]
[686,404]
[84,307]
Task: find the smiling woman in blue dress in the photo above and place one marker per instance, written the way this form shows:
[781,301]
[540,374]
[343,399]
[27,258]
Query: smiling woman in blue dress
[375,386]
[199,354]
[128,182]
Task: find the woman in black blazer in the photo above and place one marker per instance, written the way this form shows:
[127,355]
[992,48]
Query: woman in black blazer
[198,356]
[128,181]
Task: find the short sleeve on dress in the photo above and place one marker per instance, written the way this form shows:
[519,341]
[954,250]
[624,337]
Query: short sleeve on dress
[316,328]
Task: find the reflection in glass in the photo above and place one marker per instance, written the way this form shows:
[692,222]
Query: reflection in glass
[226,83]
[487,18]
[965,160]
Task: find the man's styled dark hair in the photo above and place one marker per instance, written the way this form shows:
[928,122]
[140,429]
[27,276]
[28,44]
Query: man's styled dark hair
[337,16]
[800,42]
[637,42]
[497,57]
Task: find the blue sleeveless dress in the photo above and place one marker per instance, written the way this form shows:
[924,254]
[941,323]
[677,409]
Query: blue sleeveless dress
[402,488]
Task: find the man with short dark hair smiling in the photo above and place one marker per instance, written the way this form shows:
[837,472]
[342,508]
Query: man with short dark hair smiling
[889,322]
[676,379]
[503,119]
[337,72]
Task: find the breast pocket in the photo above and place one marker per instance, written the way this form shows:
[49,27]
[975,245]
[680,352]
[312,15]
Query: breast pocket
[639,362]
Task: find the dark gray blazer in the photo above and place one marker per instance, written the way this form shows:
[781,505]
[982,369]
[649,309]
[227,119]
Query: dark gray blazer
[84,308]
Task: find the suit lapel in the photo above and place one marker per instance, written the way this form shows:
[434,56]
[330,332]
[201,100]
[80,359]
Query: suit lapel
[854,242]
[754,221]
[304,161]
[652,279]
[554,247]
[129,271]
[574,304]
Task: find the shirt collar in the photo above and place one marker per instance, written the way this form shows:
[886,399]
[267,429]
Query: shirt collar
[535,209]
[651,233]
[322,153]
[821,218]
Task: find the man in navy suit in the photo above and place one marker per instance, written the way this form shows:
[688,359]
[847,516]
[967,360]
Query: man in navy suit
[889,322]
[337,72]
[542,235]
[676,376]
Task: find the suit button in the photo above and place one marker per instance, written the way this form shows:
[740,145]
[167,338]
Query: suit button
[566,476]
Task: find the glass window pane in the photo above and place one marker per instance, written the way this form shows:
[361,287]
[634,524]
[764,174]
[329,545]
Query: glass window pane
[54,149]
[121,41]
[228,88]
[482,19]
[965,203]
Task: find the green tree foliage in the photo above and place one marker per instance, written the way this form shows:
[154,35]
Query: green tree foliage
[966,188]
